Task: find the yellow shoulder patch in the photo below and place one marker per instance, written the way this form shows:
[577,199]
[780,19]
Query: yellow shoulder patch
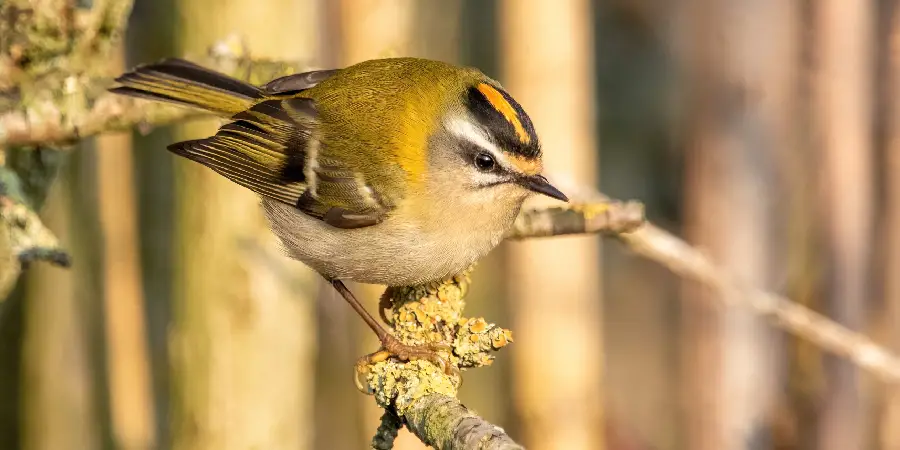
[503,107]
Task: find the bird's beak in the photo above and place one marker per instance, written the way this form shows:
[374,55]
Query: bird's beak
[539,184]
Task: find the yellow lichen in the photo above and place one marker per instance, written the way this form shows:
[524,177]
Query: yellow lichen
[421,316]
[399,385]
[591,210]
[477,325]
[425,314]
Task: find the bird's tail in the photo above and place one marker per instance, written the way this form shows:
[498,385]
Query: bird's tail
[178,81]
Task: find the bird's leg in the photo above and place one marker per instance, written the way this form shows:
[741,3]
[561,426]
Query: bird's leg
[390,345]
[360,309]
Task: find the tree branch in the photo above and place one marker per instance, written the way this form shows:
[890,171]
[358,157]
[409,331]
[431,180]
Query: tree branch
[609,217]
[24,239]
[418,393]
[84,108]
[102,28]
[624,221]
[678,256]
[462,428]
[45,45]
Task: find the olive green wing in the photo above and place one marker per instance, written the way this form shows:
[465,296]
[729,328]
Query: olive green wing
[273,149]
[261,149]
[270,146]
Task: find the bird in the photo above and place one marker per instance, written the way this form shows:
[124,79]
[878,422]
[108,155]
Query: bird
[394,171]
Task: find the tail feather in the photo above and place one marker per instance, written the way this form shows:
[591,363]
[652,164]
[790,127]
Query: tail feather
[182,82]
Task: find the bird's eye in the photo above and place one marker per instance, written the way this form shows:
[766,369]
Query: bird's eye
[485,162]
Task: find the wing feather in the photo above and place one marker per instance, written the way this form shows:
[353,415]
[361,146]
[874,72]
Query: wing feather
[271,149]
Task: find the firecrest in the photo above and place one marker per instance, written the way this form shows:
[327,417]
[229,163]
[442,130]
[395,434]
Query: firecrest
[393,171]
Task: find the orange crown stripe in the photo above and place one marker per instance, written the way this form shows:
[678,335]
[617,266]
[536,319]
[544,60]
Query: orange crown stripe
[529,166]
[503,107]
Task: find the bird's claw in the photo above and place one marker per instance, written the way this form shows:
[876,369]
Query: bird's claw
[392,346]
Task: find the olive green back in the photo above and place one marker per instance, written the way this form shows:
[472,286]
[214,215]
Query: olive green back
[376,116]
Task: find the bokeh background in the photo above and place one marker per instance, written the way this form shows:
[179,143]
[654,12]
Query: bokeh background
[765,132]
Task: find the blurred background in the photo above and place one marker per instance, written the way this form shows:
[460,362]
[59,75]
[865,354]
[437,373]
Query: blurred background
[765,132]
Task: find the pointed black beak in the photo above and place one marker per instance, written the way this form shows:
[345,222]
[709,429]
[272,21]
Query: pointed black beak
[539,184]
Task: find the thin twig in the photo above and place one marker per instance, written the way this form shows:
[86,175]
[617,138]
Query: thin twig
[606,217]
[678,256]
[599,215]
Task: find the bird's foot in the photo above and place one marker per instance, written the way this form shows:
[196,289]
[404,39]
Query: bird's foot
[392,347]
[385,303]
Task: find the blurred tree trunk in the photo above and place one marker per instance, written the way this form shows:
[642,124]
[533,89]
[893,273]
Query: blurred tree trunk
[554,285]
[636,79]
[242,342]
[740,66]
[131,409]
[151,33]
[890,426]
[61,403]
[796,422]
[842,126]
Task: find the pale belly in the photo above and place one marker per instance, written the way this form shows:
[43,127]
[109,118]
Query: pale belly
[387,254]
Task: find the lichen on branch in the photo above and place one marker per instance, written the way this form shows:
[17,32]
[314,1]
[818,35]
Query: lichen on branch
[605,216]
[84,108]
[24,239]
[432,313]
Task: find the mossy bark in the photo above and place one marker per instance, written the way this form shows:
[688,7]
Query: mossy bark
[45,48]
[418,393]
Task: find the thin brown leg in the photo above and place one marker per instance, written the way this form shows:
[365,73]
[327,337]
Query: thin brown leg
[360,309]
[390,345]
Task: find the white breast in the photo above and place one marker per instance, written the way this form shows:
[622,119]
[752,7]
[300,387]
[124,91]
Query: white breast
[394,254]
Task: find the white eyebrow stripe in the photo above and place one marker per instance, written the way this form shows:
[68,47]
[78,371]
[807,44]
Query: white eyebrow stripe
[465,129]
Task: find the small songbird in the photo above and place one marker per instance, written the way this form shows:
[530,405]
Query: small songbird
[394,171]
